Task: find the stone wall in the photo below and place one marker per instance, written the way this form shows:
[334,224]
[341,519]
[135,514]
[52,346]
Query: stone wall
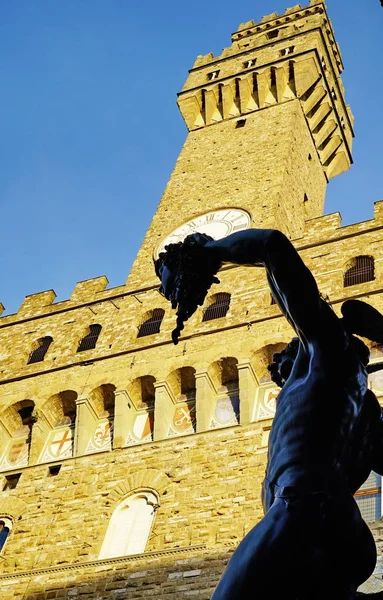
[297,133]
[201,516]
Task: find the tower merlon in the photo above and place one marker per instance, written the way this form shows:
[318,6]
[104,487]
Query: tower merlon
[378,211]
[36,303]
[280,59]
[86,290]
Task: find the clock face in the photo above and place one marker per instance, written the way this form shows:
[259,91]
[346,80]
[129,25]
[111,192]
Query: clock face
[217,224]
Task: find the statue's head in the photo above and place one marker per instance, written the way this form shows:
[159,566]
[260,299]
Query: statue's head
[283,363]
[186,274]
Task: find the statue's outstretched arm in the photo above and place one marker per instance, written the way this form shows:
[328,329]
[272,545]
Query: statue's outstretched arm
[291,282]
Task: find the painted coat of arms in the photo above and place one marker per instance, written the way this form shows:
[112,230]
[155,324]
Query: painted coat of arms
[101,438]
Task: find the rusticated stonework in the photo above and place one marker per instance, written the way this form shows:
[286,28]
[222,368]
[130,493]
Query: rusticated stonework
[83,430]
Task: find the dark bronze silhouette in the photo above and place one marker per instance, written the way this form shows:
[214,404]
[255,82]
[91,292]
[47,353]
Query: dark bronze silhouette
[327,433]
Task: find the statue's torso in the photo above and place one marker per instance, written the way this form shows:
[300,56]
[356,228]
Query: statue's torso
[317,412]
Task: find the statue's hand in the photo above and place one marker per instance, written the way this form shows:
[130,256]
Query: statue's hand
[197,239]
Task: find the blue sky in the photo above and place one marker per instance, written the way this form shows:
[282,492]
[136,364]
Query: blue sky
[90,129]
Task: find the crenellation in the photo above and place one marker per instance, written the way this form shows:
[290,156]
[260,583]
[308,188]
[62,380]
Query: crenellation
[120,326]
[36,303]
[203,59]
[209,97]
[294,9]
[131,415]
[270,17]
[255,33]
[247,25]
[378,211]
[88,289]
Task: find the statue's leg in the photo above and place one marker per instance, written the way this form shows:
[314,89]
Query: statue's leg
[343,553]
[333,591]
[263,567]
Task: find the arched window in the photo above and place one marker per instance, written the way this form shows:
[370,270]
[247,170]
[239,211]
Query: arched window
[151,324]
[183,385]
[218,308]
[360,269]
[225,375]
[89,341]
[38,354]
[142,393]
[130,525]
[5,529]
[17,421]
[102,400]
[60,413]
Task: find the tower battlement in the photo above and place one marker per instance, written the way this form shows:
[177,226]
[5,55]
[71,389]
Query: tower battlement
[119,451]
[279,59]
[94,291]
[269,22]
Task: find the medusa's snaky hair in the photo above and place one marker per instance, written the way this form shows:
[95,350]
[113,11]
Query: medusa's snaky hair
[194,273]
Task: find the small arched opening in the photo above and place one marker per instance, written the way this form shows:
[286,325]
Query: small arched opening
[130,525]
[151,323]
[359,270]
[40,350]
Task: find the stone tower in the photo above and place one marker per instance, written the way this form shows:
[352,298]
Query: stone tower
[131,468]
[268,126]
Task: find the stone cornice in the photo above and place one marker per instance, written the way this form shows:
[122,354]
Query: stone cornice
[108,561]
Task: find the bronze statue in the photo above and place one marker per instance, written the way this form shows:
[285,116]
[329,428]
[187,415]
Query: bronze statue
[327,433]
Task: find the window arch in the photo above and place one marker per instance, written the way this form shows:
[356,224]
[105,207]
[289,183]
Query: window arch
[224,373]
[142,393]
[359,270]
[5,530]
[218,308]
[60,414]
[18,421]
[182,382]
[38,354]
[151,323]
[89,340]
[130,525]
[102,400]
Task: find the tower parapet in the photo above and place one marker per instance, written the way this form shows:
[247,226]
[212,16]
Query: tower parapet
[279,59]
